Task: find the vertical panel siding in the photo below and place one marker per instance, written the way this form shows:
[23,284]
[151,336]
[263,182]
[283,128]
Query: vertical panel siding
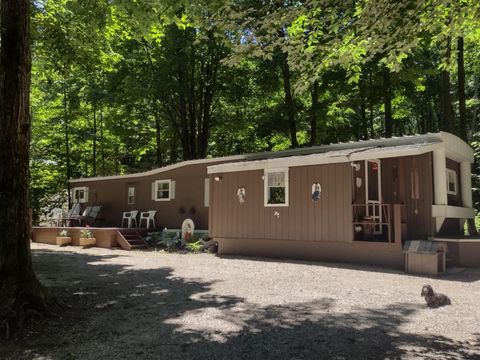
[419,223]
[327,220]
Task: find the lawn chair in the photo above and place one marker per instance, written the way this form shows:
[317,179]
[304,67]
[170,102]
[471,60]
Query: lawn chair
[54,217]
[93,215]
[85,214]
[130,216]
[148,216]
[72,215]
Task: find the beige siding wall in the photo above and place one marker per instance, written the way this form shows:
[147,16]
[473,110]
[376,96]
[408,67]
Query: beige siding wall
[419,211]
[328,220]
[188,203]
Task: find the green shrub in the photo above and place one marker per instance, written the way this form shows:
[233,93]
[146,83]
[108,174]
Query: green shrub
[194,247]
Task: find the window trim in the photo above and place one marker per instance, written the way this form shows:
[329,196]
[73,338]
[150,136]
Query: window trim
[455,182]
[83,199]
[158,182]
[265,187]
[133,195]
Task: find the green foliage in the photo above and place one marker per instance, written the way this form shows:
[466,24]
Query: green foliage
[130,86]
[194,247]
[86,234]
[167,240]
[63,233]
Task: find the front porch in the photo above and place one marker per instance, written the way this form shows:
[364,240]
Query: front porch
[105,237]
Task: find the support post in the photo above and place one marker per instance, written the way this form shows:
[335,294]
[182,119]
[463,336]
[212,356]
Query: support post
[440,182]
[466,184]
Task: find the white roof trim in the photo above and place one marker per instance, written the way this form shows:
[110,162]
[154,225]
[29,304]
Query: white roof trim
[160,170]
[457,149]
[330,157]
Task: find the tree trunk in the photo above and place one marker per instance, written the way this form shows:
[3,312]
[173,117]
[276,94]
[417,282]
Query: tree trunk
[447,107]
[67,140]
[289,102]
[185,134]
[158,138]
[473,121]
[94,140]
[102,151]
[387,103]
[20,291]
[461,90]
[363,109]
[314,113]
[192,97]
[370,85]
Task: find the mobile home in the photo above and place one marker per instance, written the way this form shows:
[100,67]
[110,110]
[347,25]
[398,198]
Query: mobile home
[176,192]
[349,202]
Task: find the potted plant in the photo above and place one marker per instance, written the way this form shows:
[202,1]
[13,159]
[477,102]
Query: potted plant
[86,238]
[63,238]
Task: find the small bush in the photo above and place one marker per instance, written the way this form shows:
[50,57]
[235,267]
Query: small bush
[194,247]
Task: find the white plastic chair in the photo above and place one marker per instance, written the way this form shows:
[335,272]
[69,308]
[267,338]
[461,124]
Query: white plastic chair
[55,217]
[131,217]
[148,216]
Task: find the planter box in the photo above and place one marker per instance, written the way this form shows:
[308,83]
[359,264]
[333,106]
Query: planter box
[87,242]
[63,240]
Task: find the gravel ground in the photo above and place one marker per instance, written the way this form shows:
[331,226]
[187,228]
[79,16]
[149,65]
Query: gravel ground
[154,305]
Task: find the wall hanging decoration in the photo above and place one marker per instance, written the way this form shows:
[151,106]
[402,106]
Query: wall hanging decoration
[316,191]
[276,214]
[358,182]
[241,195]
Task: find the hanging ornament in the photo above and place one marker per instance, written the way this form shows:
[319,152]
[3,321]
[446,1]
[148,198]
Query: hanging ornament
[374,166]
[241,195]
[316,192]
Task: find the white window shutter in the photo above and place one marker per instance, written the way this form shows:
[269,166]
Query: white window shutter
[86,194]
[206,199]
[172,189]
[153,191]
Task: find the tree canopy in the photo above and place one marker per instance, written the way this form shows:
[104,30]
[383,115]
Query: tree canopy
[121,87]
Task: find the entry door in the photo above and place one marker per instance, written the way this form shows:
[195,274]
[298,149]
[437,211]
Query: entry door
[373,193]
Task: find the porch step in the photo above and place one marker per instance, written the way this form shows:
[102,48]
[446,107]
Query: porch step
[130,239]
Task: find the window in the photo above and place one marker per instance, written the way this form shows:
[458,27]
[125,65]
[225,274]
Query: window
[451,182]
[276,187]
[162,190]
[131,195]
[80,194]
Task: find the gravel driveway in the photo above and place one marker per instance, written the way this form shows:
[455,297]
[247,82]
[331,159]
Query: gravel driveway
[154,305]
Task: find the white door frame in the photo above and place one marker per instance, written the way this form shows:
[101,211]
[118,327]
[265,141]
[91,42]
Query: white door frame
[376,205]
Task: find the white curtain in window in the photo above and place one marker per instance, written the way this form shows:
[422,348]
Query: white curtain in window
[276,179]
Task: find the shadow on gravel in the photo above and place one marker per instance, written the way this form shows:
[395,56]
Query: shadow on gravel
[116,312]
[464,275]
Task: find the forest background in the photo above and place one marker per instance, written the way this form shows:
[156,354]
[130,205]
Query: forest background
[125,86]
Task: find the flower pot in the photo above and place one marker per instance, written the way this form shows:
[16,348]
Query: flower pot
[87,241]
[63,240]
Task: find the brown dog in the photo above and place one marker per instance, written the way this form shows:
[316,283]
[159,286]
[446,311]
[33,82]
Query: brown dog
[434,299]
